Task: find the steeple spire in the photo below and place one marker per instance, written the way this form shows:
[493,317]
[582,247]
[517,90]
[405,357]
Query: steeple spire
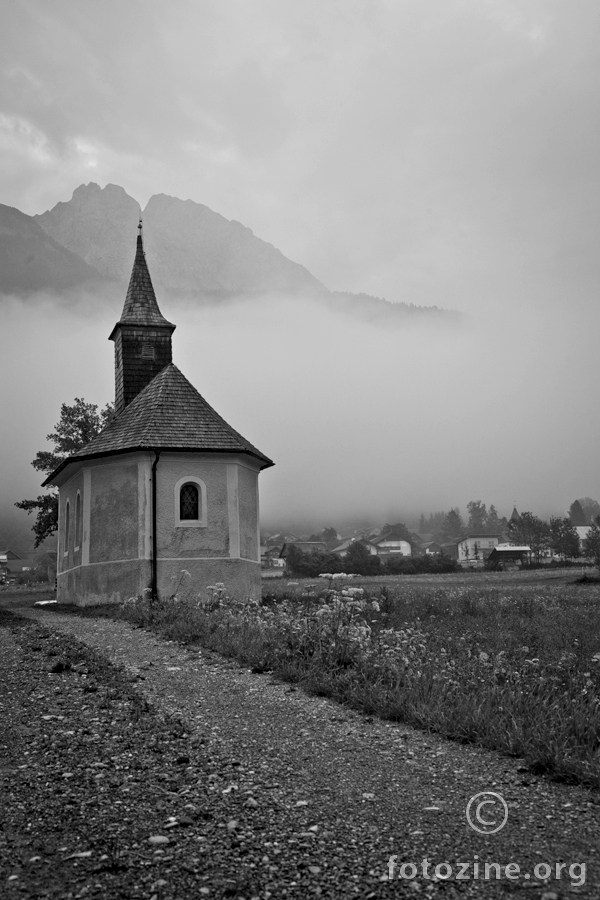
[141,307]
[142,335]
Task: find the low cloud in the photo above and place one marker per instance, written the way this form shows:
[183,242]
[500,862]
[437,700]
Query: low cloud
[364,422]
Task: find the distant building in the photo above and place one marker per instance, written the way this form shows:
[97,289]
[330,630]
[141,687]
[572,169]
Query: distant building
[270,557]
[303,547]
[508,555]
[474,548]
[387,545]
[431,548]
[582,532]
[12,565]
[342,549]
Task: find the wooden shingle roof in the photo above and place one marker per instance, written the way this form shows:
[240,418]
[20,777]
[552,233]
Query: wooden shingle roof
[141,305]
[169,414]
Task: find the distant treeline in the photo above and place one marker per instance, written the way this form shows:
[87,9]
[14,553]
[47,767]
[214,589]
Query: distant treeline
[358,561]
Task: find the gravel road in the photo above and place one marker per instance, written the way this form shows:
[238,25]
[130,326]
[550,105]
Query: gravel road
[133,767]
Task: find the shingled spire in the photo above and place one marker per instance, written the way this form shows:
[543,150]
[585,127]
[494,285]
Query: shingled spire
[142,336]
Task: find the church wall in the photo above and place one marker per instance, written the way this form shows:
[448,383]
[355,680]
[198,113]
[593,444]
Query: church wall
[113,562]
[241,578]
[70,552]
[209,553]
[114,511]
[109,582]
[248,513]
[192,541]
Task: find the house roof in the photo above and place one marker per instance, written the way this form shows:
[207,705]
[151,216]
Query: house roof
[141,306]
[390,537]
[353,540]
[168,414]
[9,554]
[508,552]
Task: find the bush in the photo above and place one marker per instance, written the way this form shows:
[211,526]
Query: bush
[419,565]
[358,561]
[310,565]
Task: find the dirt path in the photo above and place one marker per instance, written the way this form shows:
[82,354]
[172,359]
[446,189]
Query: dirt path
[327,796]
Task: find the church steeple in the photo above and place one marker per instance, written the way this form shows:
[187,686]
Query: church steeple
[142,336]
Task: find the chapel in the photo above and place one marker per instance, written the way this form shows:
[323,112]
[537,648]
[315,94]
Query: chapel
[166,488]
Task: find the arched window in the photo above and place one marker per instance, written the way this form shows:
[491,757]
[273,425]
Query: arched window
[78,521]
[67,526]
[188,502]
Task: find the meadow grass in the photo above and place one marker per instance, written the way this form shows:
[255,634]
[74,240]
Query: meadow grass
[512,664]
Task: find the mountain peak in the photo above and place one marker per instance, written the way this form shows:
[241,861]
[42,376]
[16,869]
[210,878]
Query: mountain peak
[97,224]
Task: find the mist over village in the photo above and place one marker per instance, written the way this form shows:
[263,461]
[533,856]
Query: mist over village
[300,484]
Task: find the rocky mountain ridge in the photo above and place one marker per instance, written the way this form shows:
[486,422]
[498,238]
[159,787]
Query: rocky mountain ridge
[194,253]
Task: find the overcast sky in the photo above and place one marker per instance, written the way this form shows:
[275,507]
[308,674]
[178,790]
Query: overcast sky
[432,151]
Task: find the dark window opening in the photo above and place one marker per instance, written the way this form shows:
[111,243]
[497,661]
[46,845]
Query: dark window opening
[188,502]
[147,351]
[67,527]
[78,520]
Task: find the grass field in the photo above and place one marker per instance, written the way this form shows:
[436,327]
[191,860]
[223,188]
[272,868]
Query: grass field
[510,661]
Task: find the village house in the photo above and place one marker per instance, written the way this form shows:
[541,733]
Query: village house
[387,545]
[12,565]
[474,548]
[342,549]
[167,488]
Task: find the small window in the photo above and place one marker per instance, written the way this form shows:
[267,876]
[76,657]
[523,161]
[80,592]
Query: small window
[188,502]
[147,350]
[78,521]
[67,527]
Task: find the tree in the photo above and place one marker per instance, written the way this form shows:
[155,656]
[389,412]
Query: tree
[330,538]
[591,509]
[77,426]
[397,532]
[453,526]
[359,561]
[591,544]
[576,514]
[494,525]
[563,537]
[530,531]
[477,515]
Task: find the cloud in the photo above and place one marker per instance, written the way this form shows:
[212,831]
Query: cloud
[436,153]
[407,150]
